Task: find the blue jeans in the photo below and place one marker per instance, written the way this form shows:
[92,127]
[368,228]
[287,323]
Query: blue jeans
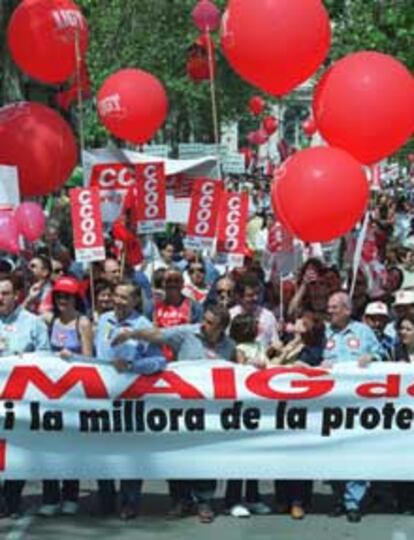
[350,493]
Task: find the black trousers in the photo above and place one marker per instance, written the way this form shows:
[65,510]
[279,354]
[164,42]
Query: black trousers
[234,492]
[12,494]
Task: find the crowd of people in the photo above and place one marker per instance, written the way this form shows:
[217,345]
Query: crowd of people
[182,305]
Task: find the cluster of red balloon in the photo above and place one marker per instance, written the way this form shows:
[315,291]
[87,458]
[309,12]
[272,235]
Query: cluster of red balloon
[28,220]
[201,60]
[269,125]
[363,107]
[42,37]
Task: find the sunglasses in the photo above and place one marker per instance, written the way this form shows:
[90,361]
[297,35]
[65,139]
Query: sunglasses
[63,295]
[57,271]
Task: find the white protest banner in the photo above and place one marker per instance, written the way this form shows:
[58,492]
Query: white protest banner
[112,170]
[60,420]
[87,225]
[150,197]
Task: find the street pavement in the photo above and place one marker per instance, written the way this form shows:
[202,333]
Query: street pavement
[153,525]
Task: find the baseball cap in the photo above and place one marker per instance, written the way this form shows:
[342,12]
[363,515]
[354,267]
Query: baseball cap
[404,298]
[67,285]
[376,308]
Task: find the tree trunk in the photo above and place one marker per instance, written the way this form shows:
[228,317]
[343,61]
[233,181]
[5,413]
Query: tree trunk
[11,85]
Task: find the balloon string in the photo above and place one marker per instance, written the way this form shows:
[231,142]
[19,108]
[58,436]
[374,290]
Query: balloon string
[80,99]
[213,100]
[78,58]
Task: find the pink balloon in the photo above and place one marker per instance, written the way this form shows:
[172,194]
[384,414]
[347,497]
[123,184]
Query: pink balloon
[30,220]
[9,235]
[309,126]
[206,16]
[258,137]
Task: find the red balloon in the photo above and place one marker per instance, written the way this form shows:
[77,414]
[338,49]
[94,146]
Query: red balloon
[41,37]
[256,105]
[309,126]
[36,140]
[270,124]
[320,193]
[132,105]
[365,105]
[275,44]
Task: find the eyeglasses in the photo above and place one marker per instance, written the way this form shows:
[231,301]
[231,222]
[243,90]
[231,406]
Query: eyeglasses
[57,271]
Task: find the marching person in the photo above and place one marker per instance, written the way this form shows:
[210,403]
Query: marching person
[205,341]
[20,332]
[127,356]
[70,334]
[348,341]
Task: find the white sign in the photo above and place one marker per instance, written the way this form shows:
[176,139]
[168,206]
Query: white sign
[9,187]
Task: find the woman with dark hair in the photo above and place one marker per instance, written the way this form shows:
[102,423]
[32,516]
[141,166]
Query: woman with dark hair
[306,347]
[103,291]
[70,333]
[311,292]
[404,352]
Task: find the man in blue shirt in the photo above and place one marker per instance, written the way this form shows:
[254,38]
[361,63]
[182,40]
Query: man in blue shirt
[20,332]
[348,341]
[130,355]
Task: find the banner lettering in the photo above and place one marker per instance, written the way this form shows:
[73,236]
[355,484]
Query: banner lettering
[87,224]
[84,420]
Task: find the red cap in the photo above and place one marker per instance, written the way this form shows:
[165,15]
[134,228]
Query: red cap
[67,285]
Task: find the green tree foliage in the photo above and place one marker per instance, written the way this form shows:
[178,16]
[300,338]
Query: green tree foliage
[155,34]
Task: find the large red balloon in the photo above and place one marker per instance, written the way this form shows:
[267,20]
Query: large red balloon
[320,193]
[41,37]
[36,140]
[275,44]
[365,105]
[132,105]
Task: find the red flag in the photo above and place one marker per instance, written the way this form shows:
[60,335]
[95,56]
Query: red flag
[232,224]
[204,211]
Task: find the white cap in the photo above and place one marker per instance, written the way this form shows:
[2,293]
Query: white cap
[376,308]
[404,298]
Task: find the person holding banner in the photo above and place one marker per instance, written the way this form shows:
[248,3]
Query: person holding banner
[348,340]
[70,334]
[206,341]
[126,356]
[20,332]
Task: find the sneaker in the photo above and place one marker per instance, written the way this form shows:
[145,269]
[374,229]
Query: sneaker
[205,513]
[70,508]
[239,511]
[259,508]
[48,510]
[353,516]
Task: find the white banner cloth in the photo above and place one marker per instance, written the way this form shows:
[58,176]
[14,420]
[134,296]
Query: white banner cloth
[205,419]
